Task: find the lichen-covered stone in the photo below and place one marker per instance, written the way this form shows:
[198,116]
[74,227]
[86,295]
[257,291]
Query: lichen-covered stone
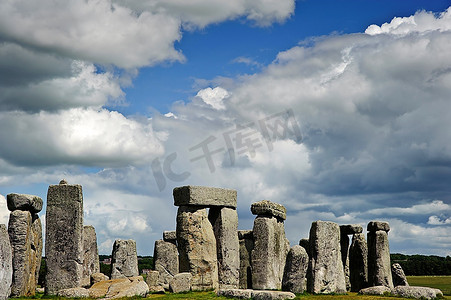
[170,236]
[225,226]
[91,263]
[255,294]
[351,229]
[119,288]
[64,237]
[417,292]
[166,260]
[379,268]
[180,283]
[358,262]
[97,277]
[124,259]
[399,278]
[246,241]
[269,253]
[378,225]
[268,208]
[295,270]
[29,203]
[325,275]
[6,263]
[77,292]
[196,243]
[376,290]
[204,196]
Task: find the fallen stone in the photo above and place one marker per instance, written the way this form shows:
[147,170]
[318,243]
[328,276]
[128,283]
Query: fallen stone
[378,225]
[170,236]
[119,288]
[379,268]
[295,270]
[166,260]
[376,290]
[270,209]
[417,292]
[40,290]
[225,225]
[64,237]
[91,263]
[6,263]
[157,289]
[196,243]
[246,245]
[204,196]
[255,294]
[358,262]
[124,259]
[269,253]
[77,292]
[97,277]
[351,229]
[29,203]
[304,243]
[180,283]
[152,278]
[399,278]
[325,275]
[235,293]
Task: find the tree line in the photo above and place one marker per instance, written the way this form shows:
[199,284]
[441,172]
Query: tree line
[416,265]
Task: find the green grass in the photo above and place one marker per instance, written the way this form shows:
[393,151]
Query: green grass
[439,282]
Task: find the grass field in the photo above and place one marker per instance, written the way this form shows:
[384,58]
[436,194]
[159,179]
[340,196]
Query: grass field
[439,282]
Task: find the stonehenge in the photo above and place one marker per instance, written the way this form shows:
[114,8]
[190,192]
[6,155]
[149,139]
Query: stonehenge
[207,251]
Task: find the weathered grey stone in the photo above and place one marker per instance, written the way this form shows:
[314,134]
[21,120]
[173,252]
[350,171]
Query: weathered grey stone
[25,235]
[379,269]
[196,243]
[325,275]
[124,259]
[399,278]
[204,196]
[29,203]
[181,282]
[64,237]
[246,241]
[235,293]
[358,262]
[166,258]
[152,278]
[170,236]
[269,254]
[304,243]
[351,229]
[270,209]
[417,292]
[225,226]
[119,288]
[77,292]
[91,263]
[344,245]
[376,290]
[97,277]
[378,225]
[254,294]
[295,270]
[6,263]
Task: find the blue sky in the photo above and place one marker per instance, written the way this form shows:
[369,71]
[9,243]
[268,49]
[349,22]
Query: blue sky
[121,101]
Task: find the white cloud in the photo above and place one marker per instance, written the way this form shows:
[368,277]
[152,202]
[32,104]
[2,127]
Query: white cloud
[435,220]
[214,97]
[435,206]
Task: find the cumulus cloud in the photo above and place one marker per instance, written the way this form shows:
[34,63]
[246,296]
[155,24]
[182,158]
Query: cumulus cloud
[436,220]
[214,97]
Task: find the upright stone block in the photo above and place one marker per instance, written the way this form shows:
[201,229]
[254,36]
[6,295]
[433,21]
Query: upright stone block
[344,245]
[225,227]
[166,258]
[64,237]
[196,243]
[325,275]
[25,234]
[295,270]
[379,268]
[124,259]
[399,278]
[304,243]
[204,196]
[91,264]
[358,263]
[269,254]
[246,241]
[6,263]
[170,236]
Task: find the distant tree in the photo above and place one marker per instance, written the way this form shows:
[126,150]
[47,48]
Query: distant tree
[422,264]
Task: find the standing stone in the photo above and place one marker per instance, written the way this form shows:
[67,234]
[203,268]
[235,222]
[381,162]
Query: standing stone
[204,196]
[170,236]
[25,234]
[295,270]
[124,259]
[225,226]
[196,243]
[325,274]
[64,237]
[358,262]
[91,263]
[246,241]
[270,245]
[304,243]
[166,258]
[6,263]
[399,278]
[344,245]
[379,269]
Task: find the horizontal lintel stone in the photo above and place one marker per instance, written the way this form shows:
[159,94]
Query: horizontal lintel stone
[204,196]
